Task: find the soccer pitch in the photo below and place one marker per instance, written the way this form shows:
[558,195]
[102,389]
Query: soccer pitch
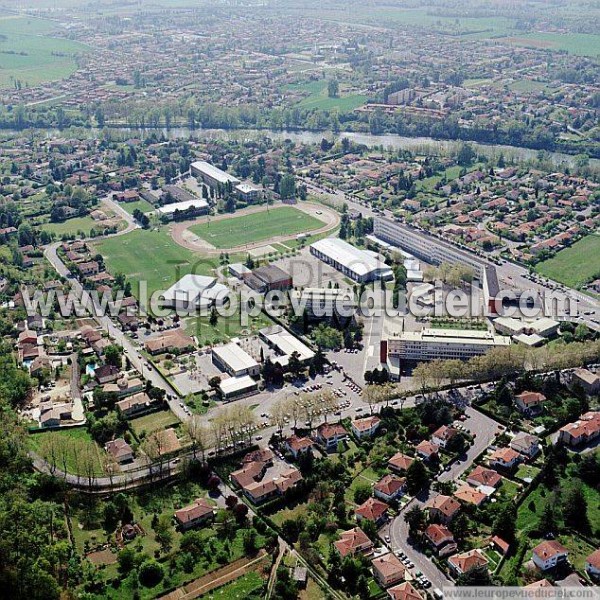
[256,227]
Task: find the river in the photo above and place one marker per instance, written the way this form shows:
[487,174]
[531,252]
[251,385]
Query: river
[425,145]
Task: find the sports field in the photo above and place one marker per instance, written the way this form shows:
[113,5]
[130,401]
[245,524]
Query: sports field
[256,227]
[151,256]
[576,265]
[30,52]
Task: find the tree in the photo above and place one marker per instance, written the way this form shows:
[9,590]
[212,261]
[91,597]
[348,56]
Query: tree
[112,355]
[287,186]
[417,477]
[213,319]
[333,88]
[362,493]
[478,576]
[504,524]
[416,520]
[150,573]
[164,533]
[126,560]
[574,509]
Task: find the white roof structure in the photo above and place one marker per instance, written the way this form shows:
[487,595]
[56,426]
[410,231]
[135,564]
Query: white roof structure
[286,343]
[456,336]
[169,209]
[213,172]
[234,385]
[360,262]
[198,290]
[235,357]
[246,188]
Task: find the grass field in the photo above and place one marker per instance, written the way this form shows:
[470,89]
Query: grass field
[142,205]
[154,422]
[318,97]
[256,227]
[151,256]
[29,52]
[72,226]
[225,329]
[576,265]
[580,44]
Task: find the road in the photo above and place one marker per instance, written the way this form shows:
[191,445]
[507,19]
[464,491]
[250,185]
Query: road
[484,430]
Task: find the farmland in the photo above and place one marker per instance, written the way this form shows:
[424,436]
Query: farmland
[256,227]
[576,265]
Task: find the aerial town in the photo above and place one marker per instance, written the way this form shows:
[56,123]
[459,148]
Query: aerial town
[304,306]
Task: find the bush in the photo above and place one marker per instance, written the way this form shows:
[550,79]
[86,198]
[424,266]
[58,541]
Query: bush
[151,573]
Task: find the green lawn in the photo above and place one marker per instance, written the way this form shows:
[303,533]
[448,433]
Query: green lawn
[71,227]
[318,98]
[225,329]
[247,586]
[256,227]
[153,257]
[300,510]
[580,44]
[576,265]
[154,422]
[142,205]
[30,54]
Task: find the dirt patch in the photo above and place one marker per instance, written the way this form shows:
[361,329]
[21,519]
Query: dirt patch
[102,557]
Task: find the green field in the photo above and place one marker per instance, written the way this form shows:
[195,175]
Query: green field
[580,44]
[318,97]
[142,205]
[151,256]
[71,227]
[154,422]
[225,329]
[256,227]
[29,53]
[574,266]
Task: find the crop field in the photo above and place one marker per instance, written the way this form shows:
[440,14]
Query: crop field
[256,227]
[580,44]
[151,256]
[576,265]
[30,54]
[318,97]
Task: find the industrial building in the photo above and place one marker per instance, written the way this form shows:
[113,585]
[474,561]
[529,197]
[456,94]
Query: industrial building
[192,208]
[324,302]
[431,344]
[211,175]
[195,292]
[360,265]
[285,344]
[267,278]
[235,361]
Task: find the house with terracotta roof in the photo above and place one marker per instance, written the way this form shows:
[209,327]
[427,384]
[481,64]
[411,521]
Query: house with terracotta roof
[482,476]
[504,458]
[549,554]
[330,435]
[427,450]
[197,513]
[592,564]
[277,485]
[468,495]
[526,444]
[542,583]
[441,539]
[390,487]
[530,403]
[365,427]
[404,591]
[443,435]
[583,431]
[461,563]
[372,510]
[353,541]
[297,445]
[442,509]
[388,569]
[400,462]
[499,544]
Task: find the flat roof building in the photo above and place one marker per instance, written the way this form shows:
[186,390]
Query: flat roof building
[360,265]
[285,344]
[211,175]
[198,206]
[234,360]
[193,292]
[235,388]
[324,302]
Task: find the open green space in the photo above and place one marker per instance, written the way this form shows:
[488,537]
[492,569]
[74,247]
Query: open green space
[154,422]
[72,227]
[29,53]
[256,227]
[153,257]
[142,205]
[318,97]
[580,44]
[574,266]
[225,328]
[247,586]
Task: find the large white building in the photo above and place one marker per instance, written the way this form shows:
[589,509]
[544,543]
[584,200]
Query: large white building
[193,292]
[324,302]
[198,206]
[285,344]
[235,360]
[211,175]
[430,344]
[360,265]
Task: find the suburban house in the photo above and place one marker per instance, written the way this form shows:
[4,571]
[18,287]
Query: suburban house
[592,564]
[504,458]
[461,563]
[526,444]
[469,495]
[482,476]
[590,382]
[443,435]
[366,427]
[400,462]
[427,450]
[353,541]
[120,450]
[549,554]
[136,405]
[583,431]
[404,591]
[330,435]
[372,510]
[106,374]
[530,403]
[88,268]
[297,445]
[390,487]
[388,569]
[195,514]
[442,509]
[441,539]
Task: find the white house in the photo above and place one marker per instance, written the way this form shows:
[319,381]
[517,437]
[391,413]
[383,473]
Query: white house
[549,554]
